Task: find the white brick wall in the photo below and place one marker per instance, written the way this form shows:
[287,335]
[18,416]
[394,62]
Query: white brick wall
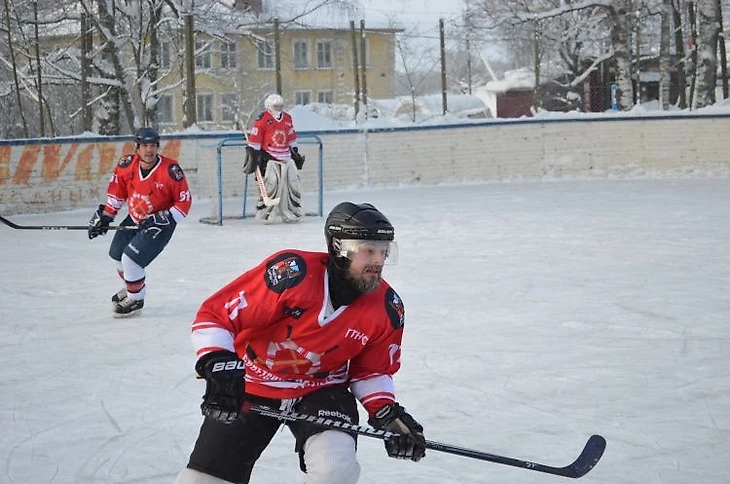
[663,146]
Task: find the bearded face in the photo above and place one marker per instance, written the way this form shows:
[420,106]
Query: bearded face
[366,261]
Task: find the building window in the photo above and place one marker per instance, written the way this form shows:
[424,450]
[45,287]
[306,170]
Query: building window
[301,54]
[326,97]
[204,106]
[265,54]
[302,97]
[229,108]
[164,109]
[202,54]
[228,55]
[324,54]
[165,56]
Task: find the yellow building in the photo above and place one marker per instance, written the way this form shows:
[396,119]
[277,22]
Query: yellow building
[235,72]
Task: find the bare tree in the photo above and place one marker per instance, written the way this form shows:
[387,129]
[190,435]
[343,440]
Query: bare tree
[708,27]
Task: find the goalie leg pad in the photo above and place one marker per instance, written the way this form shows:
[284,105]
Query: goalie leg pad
[291,196]
[329,458]
[272,183]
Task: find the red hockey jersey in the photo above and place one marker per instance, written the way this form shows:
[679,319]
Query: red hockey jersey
[279,319]
[165,187]
[275,136]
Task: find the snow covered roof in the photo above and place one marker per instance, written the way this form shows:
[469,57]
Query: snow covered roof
[305,119]
[517,80]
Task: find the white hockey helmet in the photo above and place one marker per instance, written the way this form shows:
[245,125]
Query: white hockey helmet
[274,103]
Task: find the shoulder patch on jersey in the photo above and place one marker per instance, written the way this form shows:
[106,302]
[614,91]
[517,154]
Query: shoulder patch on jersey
[176,172]
[395,309]
[125,161]
[284,272]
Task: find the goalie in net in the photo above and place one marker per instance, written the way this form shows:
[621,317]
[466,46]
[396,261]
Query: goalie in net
[272,155]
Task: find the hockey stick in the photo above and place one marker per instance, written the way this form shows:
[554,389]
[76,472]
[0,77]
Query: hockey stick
[268,201]
[587,459]
[60,227]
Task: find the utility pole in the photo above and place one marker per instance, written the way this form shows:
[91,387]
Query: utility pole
[444,102]
[277,57]
[87,45]
[363,67]
[191,116]
[355,75]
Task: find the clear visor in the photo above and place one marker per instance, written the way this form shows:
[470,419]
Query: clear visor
[383,252]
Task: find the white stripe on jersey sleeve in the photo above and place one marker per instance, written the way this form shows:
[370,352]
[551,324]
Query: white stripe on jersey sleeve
[208,337]
[380,386]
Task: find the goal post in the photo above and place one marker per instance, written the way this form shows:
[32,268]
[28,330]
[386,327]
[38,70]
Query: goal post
[235,198]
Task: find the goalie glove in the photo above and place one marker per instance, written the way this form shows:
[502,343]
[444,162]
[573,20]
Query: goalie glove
[252,160]
[224,385]
[298,159]
[410,442]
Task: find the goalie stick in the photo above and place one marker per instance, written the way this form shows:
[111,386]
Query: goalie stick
[268,201]
[586,461]
[60,227]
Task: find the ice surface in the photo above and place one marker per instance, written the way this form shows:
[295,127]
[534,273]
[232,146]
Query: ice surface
[538,313]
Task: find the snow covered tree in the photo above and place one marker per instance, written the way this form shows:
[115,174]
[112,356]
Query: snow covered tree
[708,28]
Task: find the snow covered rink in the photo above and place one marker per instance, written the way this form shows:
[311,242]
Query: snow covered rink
[537,314]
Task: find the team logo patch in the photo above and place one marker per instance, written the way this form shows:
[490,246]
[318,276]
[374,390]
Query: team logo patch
[395,309]
[176,172]
[125,161]
[285,271]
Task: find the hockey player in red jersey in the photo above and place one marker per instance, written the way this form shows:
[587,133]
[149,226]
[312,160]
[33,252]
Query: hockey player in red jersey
[272,147]
[158,198]
[311,332]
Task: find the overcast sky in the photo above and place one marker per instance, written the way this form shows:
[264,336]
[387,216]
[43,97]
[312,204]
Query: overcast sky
[423,12]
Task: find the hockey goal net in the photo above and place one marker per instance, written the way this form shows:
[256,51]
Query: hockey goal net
[234,194]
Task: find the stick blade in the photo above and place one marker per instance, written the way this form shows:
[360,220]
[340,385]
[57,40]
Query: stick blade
[587,460]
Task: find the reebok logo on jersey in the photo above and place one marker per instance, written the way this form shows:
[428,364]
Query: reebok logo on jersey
[228,365]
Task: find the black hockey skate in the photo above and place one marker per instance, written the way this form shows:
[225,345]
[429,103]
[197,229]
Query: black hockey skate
[128,307]
[119,295]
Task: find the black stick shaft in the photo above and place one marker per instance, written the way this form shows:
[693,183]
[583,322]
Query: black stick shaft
[60,227]
[581,466]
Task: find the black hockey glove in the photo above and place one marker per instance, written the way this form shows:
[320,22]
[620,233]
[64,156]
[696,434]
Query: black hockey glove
[159,220]
[99,223]
[224,385]
[410,443]
[298,159]
[253,160]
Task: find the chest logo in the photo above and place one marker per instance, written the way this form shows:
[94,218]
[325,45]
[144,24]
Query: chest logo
[288,357]
[139,206]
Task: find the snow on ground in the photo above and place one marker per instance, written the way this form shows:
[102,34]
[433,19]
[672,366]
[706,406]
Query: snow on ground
[538,313]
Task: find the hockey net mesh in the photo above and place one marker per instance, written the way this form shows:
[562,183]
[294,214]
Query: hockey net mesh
[233,195]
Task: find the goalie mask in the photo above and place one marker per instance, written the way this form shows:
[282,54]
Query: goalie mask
[274,103]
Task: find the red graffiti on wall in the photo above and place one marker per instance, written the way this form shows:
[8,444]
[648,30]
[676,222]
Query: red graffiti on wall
[89,161]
